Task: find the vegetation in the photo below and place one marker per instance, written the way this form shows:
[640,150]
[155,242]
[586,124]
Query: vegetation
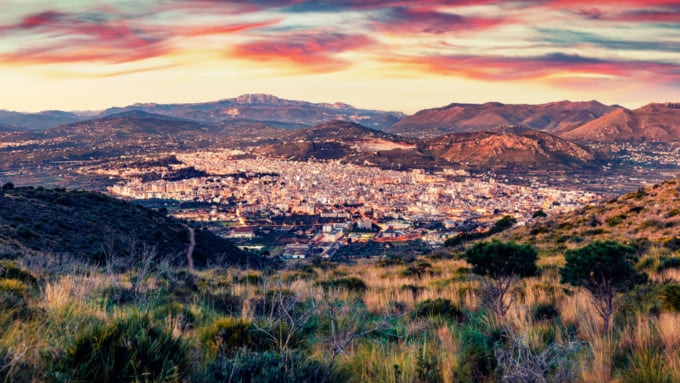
[604,269]
[66,317]
[501,263]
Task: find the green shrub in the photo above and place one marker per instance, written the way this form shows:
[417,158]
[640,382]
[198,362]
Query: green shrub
[418,270]
[670,297]
[270,367]
[476,359]
[126,350]
[228,335]
[545,311]
[353,284]
[647,366]
[13,297]
[440,307]
[184,316]
[673,213]
[427,368]
[615,220]
[10,270]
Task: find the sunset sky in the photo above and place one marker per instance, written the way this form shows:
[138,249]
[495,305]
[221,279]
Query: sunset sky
[391,55]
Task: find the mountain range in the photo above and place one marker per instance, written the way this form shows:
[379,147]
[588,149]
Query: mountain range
[263,114]
[492,135]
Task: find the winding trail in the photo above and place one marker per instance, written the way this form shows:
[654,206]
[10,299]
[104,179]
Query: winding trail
[190,250]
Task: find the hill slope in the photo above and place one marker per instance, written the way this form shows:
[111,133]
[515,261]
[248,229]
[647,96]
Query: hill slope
[509,147]
[17,121]
[649,216]
[90,226]
[653,122]
[334,140]
[460,118]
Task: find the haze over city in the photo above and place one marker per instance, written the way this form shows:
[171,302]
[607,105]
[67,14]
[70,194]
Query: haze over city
[390,55]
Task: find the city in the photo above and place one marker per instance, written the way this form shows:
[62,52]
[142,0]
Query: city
[244,195]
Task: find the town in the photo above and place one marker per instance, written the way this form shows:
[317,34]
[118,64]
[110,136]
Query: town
[333,204]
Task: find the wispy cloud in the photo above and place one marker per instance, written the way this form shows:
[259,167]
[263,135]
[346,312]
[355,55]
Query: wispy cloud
[315,50]
[498,68]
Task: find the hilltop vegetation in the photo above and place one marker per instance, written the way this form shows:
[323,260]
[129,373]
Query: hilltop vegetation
[648,217]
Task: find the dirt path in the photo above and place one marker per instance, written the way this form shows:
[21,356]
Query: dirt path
[190,250]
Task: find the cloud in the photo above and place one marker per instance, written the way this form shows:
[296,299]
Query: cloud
[498,68]
[413,20]
[312,49]
[106,36]
[569,38]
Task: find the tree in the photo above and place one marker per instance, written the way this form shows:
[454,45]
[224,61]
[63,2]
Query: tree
[503,224]
[539,214]
[604,269]
[501,263]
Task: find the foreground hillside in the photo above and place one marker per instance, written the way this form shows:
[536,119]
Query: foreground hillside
[93,228]
[430,317]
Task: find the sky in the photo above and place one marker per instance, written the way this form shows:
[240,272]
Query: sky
[378,54]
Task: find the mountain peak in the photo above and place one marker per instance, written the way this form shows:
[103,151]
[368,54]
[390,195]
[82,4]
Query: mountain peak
[258,98]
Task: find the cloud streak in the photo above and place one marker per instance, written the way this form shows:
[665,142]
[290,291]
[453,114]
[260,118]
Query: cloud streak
[484,42]
[559,65]
[313,50]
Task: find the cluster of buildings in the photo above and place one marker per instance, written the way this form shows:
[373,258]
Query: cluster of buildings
[239,189]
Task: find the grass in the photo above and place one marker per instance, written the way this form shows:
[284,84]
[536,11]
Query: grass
[351,322]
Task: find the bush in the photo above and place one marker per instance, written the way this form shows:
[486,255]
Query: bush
[353,284]
[128,349]
[615,220]
[185,318]
[418,270]
[670,297]
[476,359]
[226,336]
[545,311]
[13,297]
[440,307]
[270,367]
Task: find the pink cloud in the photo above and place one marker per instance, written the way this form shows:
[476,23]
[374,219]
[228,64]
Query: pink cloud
[315,50]
[104,36]
[495,68]
[410,20]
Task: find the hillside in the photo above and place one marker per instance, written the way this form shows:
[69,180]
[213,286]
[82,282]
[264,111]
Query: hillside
[460,118]
[509,147]
[267,108]
[134,123]
[336,140]
[650,216]
[17,121]
[653,122]
[91,227]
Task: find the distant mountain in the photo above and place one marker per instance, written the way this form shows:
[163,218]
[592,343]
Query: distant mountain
[288,114]
[514,147]
[91,227]
[509,147]
[653,122]
[15,121]
[337,140]
[460,118]
[129,124]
